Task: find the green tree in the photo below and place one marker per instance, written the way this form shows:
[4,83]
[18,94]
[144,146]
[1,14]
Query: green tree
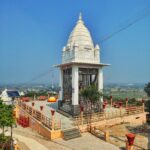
[6,116]
[91,94]
[147,89]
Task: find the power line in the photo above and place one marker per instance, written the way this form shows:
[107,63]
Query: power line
[40,76]
[122,28]
[127,25]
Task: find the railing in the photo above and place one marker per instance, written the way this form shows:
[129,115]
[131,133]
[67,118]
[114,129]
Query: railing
[88,118]
[134,110]
[39,116]
[119,112]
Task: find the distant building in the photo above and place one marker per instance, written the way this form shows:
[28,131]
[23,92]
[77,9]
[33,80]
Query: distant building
[8,95]
[21,93]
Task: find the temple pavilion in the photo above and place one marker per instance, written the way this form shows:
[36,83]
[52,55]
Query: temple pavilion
[81,66]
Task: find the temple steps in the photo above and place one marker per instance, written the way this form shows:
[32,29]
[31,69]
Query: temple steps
[71,134]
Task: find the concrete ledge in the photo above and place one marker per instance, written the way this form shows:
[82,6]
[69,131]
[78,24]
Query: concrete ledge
[55,134]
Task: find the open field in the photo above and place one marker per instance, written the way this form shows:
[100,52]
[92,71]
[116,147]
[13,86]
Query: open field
[129,94]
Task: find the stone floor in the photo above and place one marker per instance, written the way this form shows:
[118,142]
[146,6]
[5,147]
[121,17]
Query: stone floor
[65,121]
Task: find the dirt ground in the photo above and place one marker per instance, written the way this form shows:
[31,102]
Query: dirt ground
[118,138]
[22,146]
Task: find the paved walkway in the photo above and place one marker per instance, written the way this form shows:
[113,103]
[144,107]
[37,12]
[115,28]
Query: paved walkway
[31,143]
[87,142]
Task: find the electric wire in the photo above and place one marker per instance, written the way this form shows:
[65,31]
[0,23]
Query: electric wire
[128,24]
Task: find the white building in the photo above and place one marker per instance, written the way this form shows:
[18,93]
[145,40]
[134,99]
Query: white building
[80,67]
[8,95]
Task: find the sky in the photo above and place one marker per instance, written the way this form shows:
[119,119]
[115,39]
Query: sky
[33,33]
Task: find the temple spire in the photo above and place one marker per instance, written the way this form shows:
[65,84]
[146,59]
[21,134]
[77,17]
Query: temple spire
[80,16]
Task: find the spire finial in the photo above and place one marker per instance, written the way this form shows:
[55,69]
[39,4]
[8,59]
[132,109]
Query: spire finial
[80,16]
[80,19]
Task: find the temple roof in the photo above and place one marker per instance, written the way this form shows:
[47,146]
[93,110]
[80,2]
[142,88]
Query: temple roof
[13,93]
[80,36]
[82,63]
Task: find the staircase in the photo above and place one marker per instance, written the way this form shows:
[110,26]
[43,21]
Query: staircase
[71,133]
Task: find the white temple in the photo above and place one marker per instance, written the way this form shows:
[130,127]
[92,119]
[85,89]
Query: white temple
[79,44]
[80,67]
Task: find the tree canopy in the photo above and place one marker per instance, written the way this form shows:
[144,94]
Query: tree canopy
[147,89]
[91,93]
[6,116]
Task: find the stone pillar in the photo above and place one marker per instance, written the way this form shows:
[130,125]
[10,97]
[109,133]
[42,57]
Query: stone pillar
[75,90]
[61,85]
[100,81]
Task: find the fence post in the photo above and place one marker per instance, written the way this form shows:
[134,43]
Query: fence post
[41,108]
[120,106]
[143,105]
[130,141]
[81,110]
[126,102]
[111,101]
[129,147]
[32,108]
[16,146]
[106,136]
[53,121]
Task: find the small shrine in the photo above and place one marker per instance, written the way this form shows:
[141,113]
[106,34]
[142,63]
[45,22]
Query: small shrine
[81,67]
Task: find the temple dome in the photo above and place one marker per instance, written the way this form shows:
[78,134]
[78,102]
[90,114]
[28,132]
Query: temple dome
[80,36]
